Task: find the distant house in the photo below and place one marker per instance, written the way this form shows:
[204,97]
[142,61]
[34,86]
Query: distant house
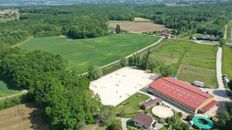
[166,34]
[143,121]
[150,103]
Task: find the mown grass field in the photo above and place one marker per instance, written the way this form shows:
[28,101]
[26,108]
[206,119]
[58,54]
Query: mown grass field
[192,61]
[84,53]
[227,61]
[130,106]
[22,117]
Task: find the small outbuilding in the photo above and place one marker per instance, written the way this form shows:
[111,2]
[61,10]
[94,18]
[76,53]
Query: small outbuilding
[143,121]
[150,103]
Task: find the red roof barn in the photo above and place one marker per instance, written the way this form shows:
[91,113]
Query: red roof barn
[182,94]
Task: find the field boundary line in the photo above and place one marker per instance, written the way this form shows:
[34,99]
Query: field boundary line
[141,50]
[14,95]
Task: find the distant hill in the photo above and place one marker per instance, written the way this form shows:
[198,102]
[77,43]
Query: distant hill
[68,2]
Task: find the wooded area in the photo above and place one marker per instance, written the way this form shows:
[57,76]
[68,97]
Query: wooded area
[88,21]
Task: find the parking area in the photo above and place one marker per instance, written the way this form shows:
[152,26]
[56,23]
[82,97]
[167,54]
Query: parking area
[121,84]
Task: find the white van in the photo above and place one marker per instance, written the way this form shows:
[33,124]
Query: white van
[198,84]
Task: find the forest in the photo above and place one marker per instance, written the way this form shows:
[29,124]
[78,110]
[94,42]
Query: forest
[88,21]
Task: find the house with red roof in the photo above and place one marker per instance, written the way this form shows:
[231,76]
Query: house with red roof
[183,95]
[143,121]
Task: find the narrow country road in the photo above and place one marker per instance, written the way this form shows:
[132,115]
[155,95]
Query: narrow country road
[14,95]
[219,68]
[225,33]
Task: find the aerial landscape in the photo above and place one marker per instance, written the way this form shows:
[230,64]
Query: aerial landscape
[115,65]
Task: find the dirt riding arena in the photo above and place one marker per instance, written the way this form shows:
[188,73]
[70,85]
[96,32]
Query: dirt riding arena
[22,117]
[116,87]
[137,27]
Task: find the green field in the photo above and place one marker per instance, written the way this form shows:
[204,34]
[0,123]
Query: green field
[7,19]
[130,106]
[192,61]
[84,53]
[227,61]
[5,90]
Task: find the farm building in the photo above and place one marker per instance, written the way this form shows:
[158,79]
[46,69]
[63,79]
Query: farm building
[183,95]
[150,103]
[143,120]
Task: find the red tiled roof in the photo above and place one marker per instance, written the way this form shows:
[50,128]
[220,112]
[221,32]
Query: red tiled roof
[143,119]
[180,91]
[151,102]
[210,105]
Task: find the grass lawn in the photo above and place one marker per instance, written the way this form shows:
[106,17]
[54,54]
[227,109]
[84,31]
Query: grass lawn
[84,53]
[193,61]
[7,19]
[130,106]
[5,90]
[227,61]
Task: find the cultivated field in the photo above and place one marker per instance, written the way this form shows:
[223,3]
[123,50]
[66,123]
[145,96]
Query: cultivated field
[22,117]
[227,61]
[137,27]
[192,61]
[84,53]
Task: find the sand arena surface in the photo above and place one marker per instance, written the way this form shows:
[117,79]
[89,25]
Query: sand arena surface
[121,84]
[162,112]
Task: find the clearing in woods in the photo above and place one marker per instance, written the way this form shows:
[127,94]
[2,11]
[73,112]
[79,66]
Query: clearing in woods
[191,61]
[84,53]
[22,117]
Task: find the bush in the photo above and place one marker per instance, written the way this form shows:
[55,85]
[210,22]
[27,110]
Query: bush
[123,62]
[94,72]
[114,125]
[10,102]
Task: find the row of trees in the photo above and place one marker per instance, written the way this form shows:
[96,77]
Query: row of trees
[64,97]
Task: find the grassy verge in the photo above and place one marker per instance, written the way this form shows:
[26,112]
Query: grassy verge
[130,107]
[227,61]
[228,32]
[84,53]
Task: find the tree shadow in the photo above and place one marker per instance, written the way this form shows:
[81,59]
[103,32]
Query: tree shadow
[37,118]
[8,83]
[220,93]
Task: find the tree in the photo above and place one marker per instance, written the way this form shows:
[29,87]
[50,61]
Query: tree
[230,85]
[118,29]
[222,42]
[165,71]
[94,72]
[123,62]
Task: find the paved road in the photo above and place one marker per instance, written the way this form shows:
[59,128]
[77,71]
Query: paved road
[14,95]
[124,123]
[219,68]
